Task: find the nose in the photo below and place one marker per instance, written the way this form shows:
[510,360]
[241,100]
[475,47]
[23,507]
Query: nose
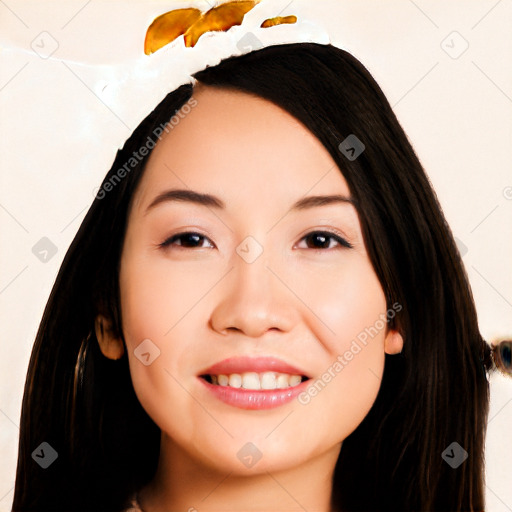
[253,300]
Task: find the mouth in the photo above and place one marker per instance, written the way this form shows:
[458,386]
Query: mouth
[254,373]
[254,381]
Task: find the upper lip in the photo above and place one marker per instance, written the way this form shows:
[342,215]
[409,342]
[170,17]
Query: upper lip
[252,364]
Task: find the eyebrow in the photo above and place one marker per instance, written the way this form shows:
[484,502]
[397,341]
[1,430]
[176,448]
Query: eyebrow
[190,196]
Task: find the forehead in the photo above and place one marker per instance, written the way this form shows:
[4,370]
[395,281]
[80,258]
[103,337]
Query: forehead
[233,144]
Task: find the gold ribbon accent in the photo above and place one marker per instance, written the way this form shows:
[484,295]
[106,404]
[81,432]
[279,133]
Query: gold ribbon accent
[193,23]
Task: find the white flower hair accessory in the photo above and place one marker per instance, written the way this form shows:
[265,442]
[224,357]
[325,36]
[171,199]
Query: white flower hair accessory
[179,44]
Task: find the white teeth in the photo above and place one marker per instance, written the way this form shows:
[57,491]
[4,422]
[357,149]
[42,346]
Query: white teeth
[235,380]
[250,380]
[268,380]
[253,380]
[294,380]
[282,381]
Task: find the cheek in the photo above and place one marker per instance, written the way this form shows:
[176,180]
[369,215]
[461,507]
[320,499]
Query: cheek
[156,296]
[346,302]
[350,321]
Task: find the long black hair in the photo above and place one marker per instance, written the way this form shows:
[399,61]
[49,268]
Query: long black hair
[433,394]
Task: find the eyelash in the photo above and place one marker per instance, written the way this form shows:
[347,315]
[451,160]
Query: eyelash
[327,234]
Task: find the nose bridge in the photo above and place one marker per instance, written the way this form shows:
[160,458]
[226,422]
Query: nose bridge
[253,300]
[251,261]
[252,274]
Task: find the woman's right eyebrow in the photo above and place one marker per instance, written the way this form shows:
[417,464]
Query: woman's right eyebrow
[209,200]
[188,196]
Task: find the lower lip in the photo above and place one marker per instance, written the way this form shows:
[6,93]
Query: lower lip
[255,399]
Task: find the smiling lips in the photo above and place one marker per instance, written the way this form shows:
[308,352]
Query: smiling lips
[254,383]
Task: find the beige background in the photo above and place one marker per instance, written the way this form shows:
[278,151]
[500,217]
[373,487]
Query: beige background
[445,67]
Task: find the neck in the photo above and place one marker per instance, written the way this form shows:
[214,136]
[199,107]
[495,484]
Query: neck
[183,483]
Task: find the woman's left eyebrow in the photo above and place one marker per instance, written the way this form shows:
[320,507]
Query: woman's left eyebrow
[313,201]
[209,200]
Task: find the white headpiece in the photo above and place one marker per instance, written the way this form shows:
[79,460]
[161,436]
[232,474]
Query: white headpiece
[153,76]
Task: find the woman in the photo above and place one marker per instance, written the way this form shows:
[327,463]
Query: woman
[132,373]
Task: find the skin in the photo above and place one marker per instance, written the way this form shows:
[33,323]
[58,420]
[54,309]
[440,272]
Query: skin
[201,304]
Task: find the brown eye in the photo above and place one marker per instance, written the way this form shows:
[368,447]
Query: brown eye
[187,240]
[324,239]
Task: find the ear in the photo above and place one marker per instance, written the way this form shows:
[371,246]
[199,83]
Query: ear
[393,343]
[111,346]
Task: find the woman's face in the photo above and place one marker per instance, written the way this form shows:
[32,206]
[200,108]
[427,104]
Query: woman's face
[257,278]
